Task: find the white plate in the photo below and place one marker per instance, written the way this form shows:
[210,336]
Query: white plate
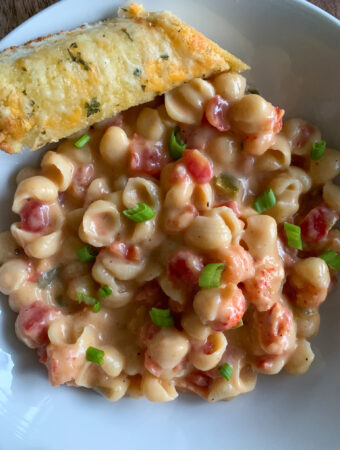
[293,48]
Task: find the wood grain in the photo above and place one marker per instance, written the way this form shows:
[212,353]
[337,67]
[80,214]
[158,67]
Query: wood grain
[14,12]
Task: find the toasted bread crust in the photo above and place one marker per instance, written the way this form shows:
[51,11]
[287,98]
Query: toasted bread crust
[58,84]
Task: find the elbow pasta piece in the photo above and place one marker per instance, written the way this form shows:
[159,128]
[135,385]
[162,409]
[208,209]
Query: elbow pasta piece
[38,188]
[98,190]
[202,196]
[26,172]
[301,136]
[331,195]
[150,125]
[186,102]
[157,389]
[215,229]
[142,190]
[82,284]
[180,194]
[121,268]
[208,233]
[210,353]
[121,295]
[8,246]
[113,361]
[114,147]
[100,224]
[13,275]
[176,294]
[301,359]
[243,378]
[277,157]
[134,359]
[230,85]
[168,348]
[307,322]
[311,280]
[326,168]
[252,115]
[260,236]
[83,156]
[287,191]
[59,169]
[35,245]
[223,150]
[194,327]
[302,176]
[116,388]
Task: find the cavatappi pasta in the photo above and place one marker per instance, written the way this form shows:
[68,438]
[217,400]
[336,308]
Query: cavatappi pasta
[183,245]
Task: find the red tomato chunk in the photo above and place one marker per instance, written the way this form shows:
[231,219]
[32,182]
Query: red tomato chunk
[216,113]
[34,320]
[146,157]
[317,223]
[184,269]
[198,166]
[34,216]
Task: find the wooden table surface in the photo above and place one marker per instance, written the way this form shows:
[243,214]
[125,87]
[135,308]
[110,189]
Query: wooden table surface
[13,12]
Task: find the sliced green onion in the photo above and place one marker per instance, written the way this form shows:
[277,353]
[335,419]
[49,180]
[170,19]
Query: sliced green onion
[47,278]
[318,150]
[265,201]
[140,213]
[238,325]
[161,317]
[211,275]
[228,183]
[87,299]
[176,144]
[83,140]
[87,253]
[293,233]
[332,259]
[105,291]
[96,307]
[95,355]
[226,371]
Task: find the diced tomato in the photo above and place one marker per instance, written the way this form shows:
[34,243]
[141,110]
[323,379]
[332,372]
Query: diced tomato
[34,320]
[198,166]
[184,269]
[123,250]
[232,205]
[42,354]
[82,179]
[146,157]
[317,223]
[216,113]
[34,216]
